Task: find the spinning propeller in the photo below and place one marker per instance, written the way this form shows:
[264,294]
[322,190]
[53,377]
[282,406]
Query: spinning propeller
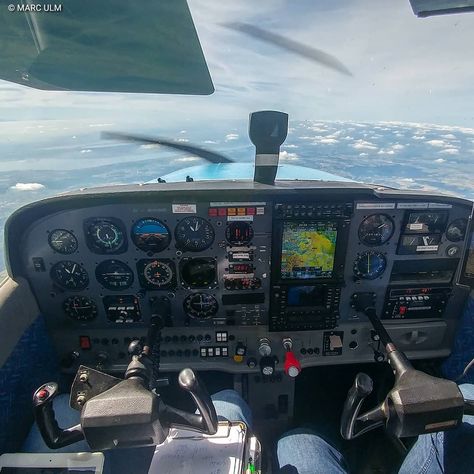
[267,131]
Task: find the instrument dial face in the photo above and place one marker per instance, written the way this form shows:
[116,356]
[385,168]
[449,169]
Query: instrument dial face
[158,273]
[376,229]
[194,234]
[62,241]
[456,231]
[80,308]
[239,233]
[200,306]
[114,275]
[199,272]
[69,275]
[151,235]
[369,265]
[105,236]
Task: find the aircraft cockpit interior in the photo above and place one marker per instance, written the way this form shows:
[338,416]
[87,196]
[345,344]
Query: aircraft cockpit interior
[133,316]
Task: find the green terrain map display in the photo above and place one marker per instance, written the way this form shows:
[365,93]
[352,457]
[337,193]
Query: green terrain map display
[308,250]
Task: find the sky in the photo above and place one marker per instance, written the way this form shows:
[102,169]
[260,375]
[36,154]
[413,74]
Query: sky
[404,69]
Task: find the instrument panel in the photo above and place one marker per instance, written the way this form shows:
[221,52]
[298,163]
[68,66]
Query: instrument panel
[257,264]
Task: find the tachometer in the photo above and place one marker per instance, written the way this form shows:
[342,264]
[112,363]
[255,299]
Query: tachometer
[369,265]
[456,230]
[239,233]
[80,308]
[376,229]
[114,275]
[200,306]
[62,241]
[151,235]
[105,236]
[194,234]
[69,275]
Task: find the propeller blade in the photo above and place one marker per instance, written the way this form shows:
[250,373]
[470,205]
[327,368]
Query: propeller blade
[208,155]
[287,44]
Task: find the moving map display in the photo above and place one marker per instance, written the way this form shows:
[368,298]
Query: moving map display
[308,250]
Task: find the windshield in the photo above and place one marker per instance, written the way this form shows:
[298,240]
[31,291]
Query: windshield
[388,100]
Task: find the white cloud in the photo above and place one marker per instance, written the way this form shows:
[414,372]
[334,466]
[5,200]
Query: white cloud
[386,152]
[27,186]
[440,160]
[285,156]
[438,143]
[185,140]
[87,150]
[363,154]
[231,136]
[418,137]
[290,146]
[186,159]
[328,141]
[210,141]
[363,145]
[398,146]
[450,151]
[183,131]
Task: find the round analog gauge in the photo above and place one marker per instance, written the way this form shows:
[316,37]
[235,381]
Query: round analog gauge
[200,306]
[105,236]
[376,229]
[194,234]
[80,308]
[114,275]
[199,272]
[158,273]
[69,275]
[151,235]
[369,265]
[62,241]
[456,230]
[239,233]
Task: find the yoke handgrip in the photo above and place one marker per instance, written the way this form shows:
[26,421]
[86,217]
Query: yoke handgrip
[54,436]
[359,391]
[189,381]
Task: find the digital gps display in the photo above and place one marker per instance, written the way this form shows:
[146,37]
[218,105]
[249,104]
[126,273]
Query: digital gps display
[308,249]
[314,296]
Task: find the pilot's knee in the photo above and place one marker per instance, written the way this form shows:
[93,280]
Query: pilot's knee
[232,407]
[467,390]
[308,452]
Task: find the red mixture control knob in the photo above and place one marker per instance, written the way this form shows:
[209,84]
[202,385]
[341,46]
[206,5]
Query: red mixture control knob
[292,364]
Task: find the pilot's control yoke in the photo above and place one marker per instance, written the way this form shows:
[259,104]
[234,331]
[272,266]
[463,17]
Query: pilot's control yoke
[418,403]
[119,413]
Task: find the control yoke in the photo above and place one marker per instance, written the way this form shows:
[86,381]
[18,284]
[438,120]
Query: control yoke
[417,404]
[118,413]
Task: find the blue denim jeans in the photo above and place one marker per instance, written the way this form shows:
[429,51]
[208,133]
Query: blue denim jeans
[304,452]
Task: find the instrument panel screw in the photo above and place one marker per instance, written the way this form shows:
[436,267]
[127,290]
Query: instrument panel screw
[81,399]
[83,377]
